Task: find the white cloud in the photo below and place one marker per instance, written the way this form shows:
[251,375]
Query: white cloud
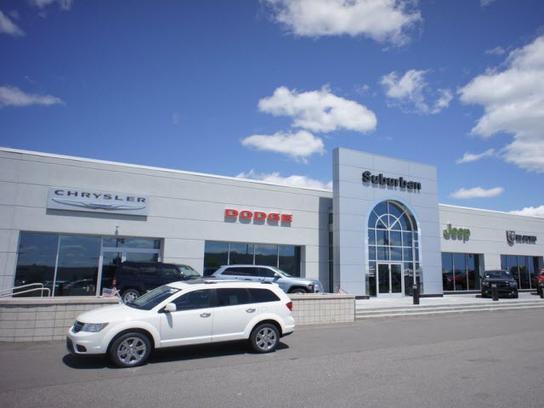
[13,96]
[63,4]
[531,211]
[293,180]
[411,91]
[513,102]
[9,27]
[299,145]
[381,20]
[496,51]
[471,157]
[319,111]
[477,192]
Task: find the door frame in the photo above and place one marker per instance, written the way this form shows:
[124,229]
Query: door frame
[389,264]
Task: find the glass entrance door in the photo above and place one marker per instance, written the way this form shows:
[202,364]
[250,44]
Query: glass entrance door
[389,278]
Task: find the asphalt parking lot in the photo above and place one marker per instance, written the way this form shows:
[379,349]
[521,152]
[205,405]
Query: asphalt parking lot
[485,359]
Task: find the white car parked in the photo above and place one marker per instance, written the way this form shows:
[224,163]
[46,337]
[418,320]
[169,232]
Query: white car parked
[183,313]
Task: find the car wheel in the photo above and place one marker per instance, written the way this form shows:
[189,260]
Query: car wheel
[515,295]
[298,291]
[130,350]
[265,338]
[130,295]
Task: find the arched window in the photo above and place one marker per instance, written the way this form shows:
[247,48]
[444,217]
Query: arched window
[393,248]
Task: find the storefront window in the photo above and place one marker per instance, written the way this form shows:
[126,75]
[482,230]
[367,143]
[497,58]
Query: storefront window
[522,268]
[69,265]
[447,271]
[77,268]
[36,260]
[460,271]
[284,257]
[215,255]
[266,255]
[241,253]
[289,259]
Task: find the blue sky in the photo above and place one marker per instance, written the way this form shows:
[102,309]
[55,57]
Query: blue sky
[268,88]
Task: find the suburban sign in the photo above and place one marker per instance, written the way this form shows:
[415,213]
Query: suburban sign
[461,234]
[380,180]
[75,199]
[258,217]
[512,238]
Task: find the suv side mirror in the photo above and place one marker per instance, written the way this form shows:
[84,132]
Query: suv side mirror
[276,277]
[169,308]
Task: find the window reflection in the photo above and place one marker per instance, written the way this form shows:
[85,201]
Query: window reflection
[37,254]
[285,257]
[69,264]
[77,268]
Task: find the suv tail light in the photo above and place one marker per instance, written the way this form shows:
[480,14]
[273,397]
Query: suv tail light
[289,306]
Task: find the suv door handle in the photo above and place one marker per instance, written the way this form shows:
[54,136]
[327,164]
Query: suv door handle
[205,314]
[250,310]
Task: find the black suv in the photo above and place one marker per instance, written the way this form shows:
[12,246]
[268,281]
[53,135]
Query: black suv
[133,279]
[506,284]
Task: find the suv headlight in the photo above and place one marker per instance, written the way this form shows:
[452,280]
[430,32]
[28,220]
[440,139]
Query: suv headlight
[93,327]
[485,283]
[513,284]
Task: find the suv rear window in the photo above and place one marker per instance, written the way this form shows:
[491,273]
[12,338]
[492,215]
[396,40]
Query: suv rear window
[232,296]
[265,273]
[239,272]
[262,296]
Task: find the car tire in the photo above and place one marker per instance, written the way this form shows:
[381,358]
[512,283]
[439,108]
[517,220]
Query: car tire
[298,291]
[130,350]
[515,295]
[265,338]
[129,295]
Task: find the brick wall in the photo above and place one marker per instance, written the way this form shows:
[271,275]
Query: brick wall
[43,319]
[323,309]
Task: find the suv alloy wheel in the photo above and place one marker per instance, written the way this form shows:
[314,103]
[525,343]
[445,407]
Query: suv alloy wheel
[265,338]
[130,349]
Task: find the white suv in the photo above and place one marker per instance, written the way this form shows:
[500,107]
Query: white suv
[183,313]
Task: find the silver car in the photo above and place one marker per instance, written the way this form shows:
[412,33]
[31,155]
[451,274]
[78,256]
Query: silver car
[263,273]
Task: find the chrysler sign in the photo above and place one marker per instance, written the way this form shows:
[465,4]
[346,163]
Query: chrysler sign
[76,199]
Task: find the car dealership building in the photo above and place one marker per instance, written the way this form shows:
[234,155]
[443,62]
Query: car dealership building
[65,220]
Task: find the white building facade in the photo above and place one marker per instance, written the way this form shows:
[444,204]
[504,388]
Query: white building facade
[66,222]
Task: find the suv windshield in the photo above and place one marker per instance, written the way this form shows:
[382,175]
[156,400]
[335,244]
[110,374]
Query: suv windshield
[188,272]
[498,275]
[153,298]
[281,272]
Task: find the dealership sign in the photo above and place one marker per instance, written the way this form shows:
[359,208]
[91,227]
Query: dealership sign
[258,217]
[381,180]
[461,234]
[75,199]
[513,238]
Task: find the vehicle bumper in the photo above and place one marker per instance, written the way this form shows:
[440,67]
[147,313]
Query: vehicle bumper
[501,292]
[289,326]
[83,343]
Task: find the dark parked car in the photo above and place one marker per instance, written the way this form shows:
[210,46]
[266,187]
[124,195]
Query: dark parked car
[506,284]
[133,279]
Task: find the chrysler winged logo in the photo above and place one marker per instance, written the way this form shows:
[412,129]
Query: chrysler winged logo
[76,199]
[98,206]
[511,237]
